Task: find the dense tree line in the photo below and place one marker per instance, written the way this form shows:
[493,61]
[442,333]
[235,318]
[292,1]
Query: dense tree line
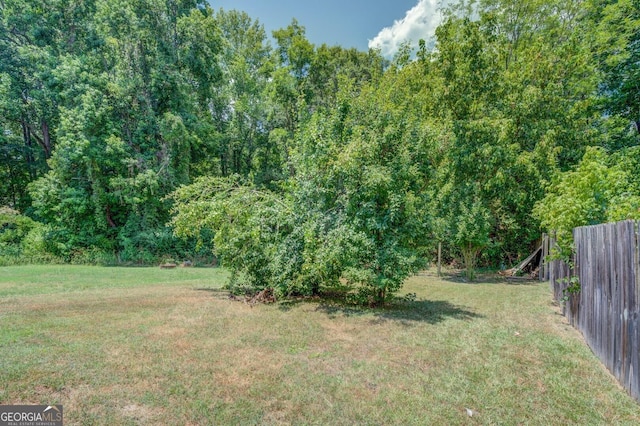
[136,130]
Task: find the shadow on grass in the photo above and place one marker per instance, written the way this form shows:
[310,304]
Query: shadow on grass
[212,289]
[428,311]
[522,281]
[217,292]
[482,277]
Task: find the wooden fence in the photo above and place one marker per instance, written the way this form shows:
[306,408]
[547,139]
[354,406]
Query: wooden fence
[606,261]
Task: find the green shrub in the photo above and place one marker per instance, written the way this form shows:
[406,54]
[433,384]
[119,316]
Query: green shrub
[23,240]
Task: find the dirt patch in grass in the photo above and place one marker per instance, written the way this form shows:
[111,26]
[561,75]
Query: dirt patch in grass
[141,415]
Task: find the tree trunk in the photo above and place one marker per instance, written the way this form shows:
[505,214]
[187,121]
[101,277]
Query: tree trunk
[381,295]
[469,254]
[26,136]
[44,141]
[46,138]
[110,221]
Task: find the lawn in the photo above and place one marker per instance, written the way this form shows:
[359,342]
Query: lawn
[150,346]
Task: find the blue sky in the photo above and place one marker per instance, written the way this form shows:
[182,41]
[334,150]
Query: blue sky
[349,23]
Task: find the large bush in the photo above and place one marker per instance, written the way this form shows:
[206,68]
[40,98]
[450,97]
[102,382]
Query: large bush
[352,211]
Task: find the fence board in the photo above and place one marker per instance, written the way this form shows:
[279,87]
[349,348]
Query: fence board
[607,264]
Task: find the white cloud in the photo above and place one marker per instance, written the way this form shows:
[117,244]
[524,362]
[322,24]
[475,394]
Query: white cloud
[420,22]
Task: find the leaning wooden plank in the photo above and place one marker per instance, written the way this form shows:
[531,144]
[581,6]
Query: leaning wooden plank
[528,260]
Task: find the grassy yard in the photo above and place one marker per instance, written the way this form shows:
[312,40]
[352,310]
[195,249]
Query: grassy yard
[150,346]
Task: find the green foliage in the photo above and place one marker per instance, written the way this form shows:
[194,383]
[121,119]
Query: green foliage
[14,227]
[112,93]
[309,166]
[350,212]
[617,51]
[22,240]
[499,133]
[597,191]
[258,235]
[472,230]
[360,163]
[244,221]
[572,288]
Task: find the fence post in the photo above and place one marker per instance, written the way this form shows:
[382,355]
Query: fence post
[551,271]
[636,231]
[439,258]
[543,274]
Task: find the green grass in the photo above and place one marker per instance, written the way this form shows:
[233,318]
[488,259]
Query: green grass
[151,346]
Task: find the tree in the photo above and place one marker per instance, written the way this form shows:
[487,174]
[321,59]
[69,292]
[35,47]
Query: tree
[472,229]
[246,222]
[351,211]
[617,51]
[596,191]
[246,65]
[35,36]
[516,91]
[361,158]
[352,165]
[127,112]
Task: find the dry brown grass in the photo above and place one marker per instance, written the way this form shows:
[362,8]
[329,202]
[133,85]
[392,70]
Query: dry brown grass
[181,352]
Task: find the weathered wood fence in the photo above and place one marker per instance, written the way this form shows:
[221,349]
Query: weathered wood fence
[606,310]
